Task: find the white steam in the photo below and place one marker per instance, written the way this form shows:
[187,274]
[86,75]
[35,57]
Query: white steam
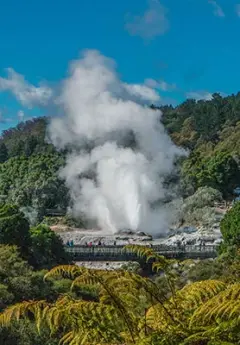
[121,152]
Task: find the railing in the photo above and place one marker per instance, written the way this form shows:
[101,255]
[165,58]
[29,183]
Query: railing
[119,253]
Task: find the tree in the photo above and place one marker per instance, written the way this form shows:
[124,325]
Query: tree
[3,153]
[11,263]
[14,228]
[230,227]
[33,182]
[220,172]
[47,247]
[30,145]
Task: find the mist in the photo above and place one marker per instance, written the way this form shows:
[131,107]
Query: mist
[120,153]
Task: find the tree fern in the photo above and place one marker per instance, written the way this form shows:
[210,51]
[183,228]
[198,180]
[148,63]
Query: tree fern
[131,309]
[195,294]
[225,306]
[65,271]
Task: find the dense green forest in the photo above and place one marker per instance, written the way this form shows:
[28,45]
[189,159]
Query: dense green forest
[46,300]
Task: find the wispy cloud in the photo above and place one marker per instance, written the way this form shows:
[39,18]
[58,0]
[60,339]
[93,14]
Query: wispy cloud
[217,10]
[237,9]
[27,94]
[198,95]
[160,85]
[153,22]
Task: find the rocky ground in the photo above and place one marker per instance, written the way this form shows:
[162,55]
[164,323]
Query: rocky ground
[185,235]
[190,235]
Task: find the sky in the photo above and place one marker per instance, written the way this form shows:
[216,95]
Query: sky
[181,48]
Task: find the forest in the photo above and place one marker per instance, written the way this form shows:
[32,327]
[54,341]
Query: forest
[46,299]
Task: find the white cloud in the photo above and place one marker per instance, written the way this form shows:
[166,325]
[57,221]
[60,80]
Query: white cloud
[153,22]
[28,95]
[198,95]
[161,85]
[20,115]
[237,8]
[217,10]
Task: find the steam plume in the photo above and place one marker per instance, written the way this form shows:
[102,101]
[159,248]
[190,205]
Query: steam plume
[120,151]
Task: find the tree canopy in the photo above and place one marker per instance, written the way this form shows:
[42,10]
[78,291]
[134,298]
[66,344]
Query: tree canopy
[230,227]
[14,228]
[47,247]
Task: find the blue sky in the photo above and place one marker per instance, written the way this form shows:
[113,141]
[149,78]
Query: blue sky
[183,47]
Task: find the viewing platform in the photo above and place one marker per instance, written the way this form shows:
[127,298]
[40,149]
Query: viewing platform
[119,253]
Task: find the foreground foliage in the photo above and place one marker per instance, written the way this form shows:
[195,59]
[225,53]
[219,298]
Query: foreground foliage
[39,245]
[130,309]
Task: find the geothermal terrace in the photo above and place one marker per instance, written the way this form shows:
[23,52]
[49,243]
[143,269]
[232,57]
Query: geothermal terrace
[185,236]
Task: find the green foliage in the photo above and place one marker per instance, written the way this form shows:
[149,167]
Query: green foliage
[11,263]
[3,153]
[47,247]
[25,333]
[29,169]
[14,228]
[132,310]
[34,182]
[220,171]
[230,226]
[211,131]
[6,297]
[26,138]
[18,280]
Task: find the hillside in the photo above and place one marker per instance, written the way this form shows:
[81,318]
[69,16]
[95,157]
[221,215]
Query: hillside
[209,130]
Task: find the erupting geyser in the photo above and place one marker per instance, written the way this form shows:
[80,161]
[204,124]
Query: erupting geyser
[120,151]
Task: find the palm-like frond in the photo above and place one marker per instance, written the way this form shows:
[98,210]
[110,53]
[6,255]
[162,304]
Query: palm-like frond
[65,271]
[148,254]
[131,309]
[195,294]
[21,310]
[225,306]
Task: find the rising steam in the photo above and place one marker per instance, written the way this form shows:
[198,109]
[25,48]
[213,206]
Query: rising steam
[121,154]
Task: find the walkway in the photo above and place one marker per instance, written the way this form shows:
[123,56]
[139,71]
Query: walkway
[119,253]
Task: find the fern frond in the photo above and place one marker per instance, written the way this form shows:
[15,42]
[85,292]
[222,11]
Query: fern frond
[224,306]
[21,310]
[195,294]
[139,250]
[67,338]
[157,318]
[65,271]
